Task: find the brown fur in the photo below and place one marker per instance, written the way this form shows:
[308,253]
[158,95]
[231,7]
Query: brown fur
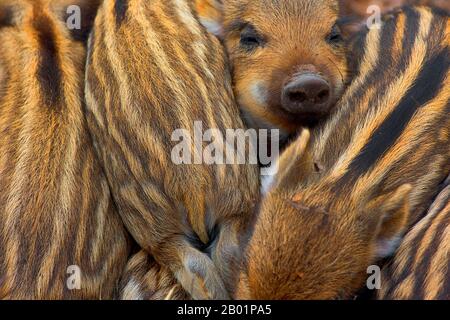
[152,69]
[359,8]
[55,205]
[421,267]
[294,35]
[342,200]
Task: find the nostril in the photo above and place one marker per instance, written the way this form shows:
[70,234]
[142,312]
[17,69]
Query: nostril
[323,96]
[306,93]
[297,96]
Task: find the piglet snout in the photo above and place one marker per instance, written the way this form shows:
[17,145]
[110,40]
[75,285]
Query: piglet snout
[307,93]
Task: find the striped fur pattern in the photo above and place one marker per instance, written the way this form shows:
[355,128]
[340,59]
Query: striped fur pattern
[56,209]
[344,198]
[152,69]
[421,267]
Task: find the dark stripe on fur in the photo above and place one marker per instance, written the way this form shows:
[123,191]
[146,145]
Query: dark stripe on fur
[48,73]
[439,237]
[120,7]
[6,17]
[408,266]
[412,25]
[88,13]
[425,89]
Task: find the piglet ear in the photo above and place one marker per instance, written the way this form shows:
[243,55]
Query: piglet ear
[389,218]
[294,164]
[210,13]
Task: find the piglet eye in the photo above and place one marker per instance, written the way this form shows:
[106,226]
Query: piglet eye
[250,39]
[335,36]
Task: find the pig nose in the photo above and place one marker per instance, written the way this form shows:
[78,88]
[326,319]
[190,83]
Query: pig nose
[307,93]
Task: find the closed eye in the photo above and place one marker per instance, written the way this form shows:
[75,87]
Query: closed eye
[250,39]
[335,36]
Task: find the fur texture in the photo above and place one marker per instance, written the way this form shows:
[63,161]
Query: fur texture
[152,69]
[56,209]
[364,178]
